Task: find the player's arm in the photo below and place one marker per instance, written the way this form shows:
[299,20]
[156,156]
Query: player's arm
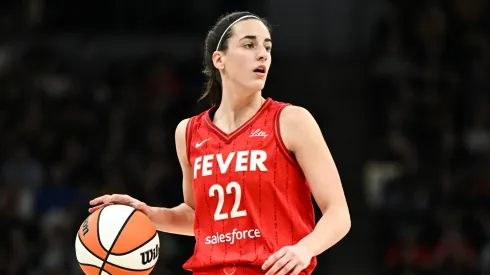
[177,220]
[303,137]
[180,219]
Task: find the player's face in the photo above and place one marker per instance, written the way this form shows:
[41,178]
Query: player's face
[248,58]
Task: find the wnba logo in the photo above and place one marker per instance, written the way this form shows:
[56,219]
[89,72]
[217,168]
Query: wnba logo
[149,255]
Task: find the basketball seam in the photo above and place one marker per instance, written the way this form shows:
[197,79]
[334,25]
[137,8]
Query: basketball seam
[91,265]
[90,251]
[138,247]
[115,240]
[98,231]
[103,261]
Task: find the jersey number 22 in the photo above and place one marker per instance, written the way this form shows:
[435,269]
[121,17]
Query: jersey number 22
[235,213]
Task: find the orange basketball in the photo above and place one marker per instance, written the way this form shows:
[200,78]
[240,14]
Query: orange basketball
[117,240]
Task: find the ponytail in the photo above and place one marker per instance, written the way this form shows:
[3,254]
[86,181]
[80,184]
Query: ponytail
[213,87]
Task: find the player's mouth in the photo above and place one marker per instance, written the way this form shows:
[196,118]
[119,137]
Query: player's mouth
[261,71]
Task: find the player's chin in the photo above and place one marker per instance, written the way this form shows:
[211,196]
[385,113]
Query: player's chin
[257,84]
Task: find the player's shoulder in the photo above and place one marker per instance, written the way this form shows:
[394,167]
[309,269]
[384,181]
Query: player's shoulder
[293,116]
[184,124]
[294,122]
[182,138]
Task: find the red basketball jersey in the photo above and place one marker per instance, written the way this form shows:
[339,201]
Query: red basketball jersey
[251,196]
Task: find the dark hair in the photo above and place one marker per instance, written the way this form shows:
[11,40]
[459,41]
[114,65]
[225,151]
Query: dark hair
[213,83]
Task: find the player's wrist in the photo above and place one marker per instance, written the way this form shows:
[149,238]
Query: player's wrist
[307,247]
[150,211]
[157,215]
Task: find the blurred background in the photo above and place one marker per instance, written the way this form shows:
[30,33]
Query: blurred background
[91,93]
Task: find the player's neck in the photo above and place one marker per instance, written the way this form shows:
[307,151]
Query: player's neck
[235,110]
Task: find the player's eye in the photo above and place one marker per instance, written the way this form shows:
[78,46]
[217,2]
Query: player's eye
[268,48]
[249,46]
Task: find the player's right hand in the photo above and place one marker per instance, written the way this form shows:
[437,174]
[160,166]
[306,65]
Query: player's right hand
[105,200]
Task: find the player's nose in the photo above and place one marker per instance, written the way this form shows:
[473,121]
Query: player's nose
[262,54]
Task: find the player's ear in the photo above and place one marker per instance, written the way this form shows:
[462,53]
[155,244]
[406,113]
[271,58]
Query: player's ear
[218,60]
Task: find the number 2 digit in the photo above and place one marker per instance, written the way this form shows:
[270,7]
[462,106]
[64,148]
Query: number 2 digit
[235,213]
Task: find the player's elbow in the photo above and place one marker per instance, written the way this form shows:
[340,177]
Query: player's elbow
[346,222]
[343,219]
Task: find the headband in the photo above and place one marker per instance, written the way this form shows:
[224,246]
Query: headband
[231,25]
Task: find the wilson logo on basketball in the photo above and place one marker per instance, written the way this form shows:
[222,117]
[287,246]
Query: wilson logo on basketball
[149,255]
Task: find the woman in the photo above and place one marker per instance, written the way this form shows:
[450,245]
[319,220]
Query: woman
[250,165]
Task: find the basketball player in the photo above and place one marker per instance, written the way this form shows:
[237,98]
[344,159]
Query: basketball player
[250,165]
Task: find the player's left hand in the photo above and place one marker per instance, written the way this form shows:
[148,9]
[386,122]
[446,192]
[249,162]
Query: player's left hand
[288,260]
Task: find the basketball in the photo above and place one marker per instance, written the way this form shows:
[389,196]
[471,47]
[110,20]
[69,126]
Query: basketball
[117,240]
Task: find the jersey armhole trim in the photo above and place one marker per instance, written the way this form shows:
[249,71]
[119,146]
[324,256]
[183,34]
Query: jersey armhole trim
[277,134]
[188,138]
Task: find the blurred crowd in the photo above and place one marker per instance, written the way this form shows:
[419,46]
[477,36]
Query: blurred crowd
[92,16]
[428,178]
[73,129]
